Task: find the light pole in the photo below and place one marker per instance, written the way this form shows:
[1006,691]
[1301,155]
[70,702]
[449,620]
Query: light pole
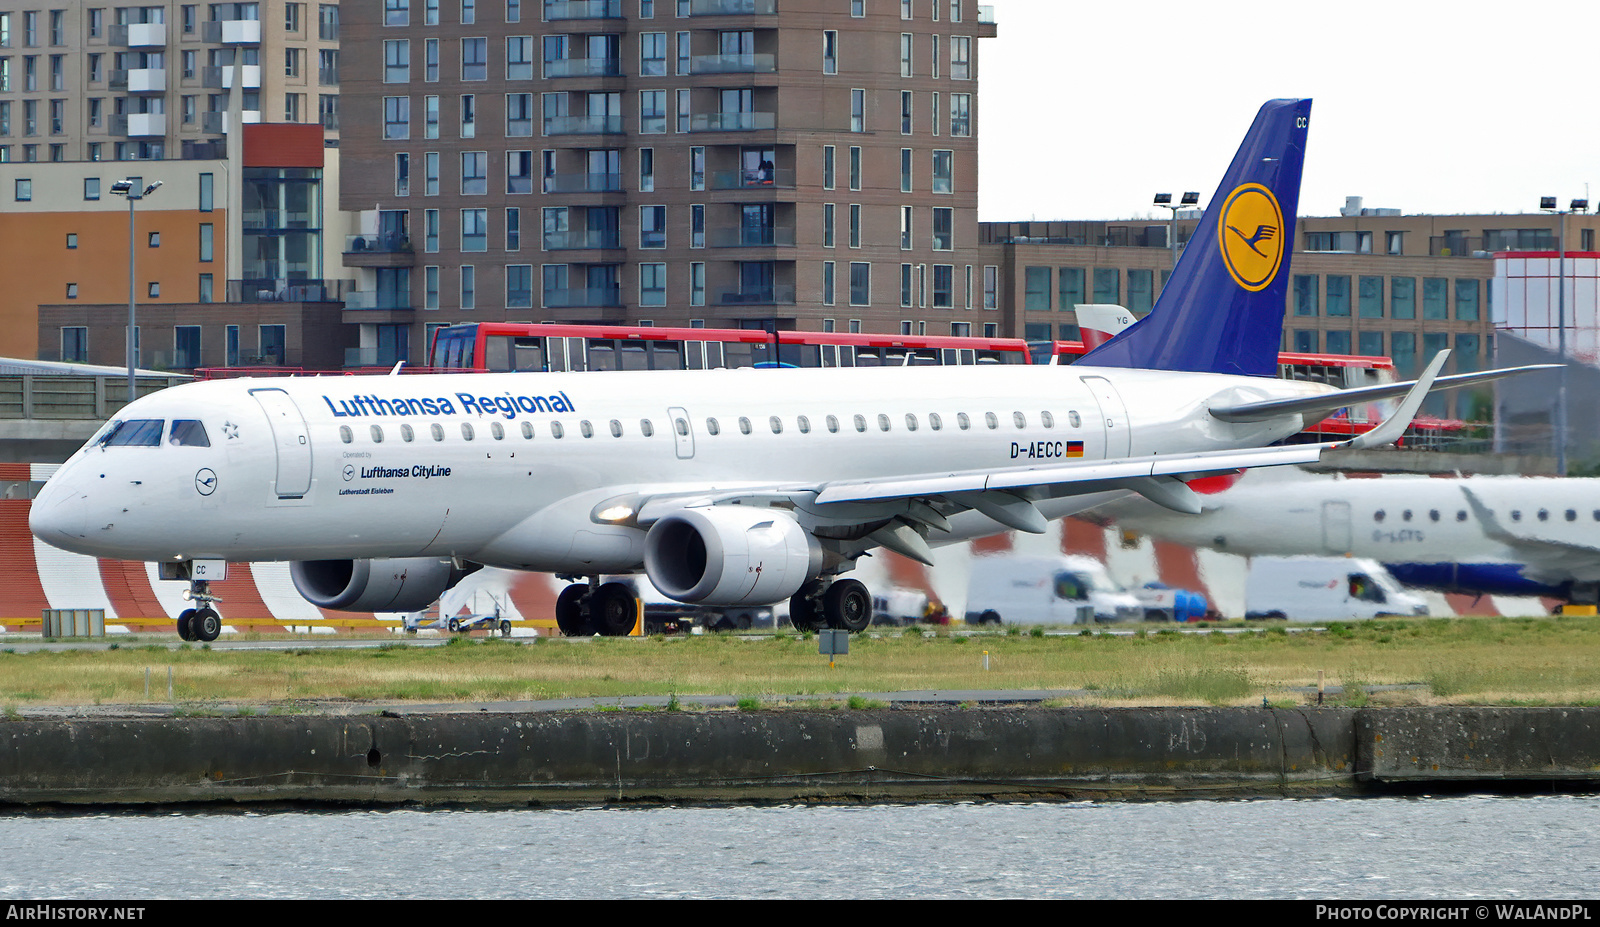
[1164,200]
[126,188]
[1548,204]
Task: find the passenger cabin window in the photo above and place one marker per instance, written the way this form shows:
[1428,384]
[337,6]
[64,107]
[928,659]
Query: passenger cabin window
[135,432]
[992,420]
[861,423]
[1046,419]
[466,430]
[586,428]
[527,430]
[911,422]
[616,428]
[1074,420]
[962,421]
[497,430]
[188,433]
[437,431]
[712,428]
[883,422]
[407,434]
[377,434]
[744,425]
[833,424]
[647,429]
[1020,420]
[776,424]
[934,421]
[347,436]
[804,424]
[556,429]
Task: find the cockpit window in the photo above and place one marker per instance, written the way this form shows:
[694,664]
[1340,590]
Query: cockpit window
[188,432]
[135,432]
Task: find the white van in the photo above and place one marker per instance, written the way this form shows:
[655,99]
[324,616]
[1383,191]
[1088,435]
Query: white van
[1325,589]
[1046,590]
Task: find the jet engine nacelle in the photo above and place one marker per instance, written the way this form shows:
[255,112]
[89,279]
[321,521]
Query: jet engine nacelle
[404,585]
[730,555]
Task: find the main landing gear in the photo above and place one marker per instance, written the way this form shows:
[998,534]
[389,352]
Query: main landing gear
[586,609]
[844,604]
[203,623]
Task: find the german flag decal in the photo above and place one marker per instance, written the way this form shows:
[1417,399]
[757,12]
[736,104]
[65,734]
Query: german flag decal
[1074,449]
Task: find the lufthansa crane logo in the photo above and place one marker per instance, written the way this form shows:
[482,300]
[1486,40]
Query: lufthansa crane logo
[1251,236]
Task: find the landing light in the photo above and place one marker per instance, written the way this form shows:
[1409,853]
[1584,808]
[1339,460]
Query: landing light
[615,513]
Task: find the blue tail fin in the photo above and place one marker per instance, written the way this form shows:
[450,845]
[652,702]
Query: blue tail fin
[1222,310]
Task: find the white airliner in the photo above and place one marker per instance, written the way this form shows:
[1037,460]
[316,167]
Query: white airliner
[1481,535]
[726,487]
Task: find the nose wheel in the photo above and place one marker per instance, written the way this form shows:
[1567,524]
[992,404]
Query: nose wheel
[203,623]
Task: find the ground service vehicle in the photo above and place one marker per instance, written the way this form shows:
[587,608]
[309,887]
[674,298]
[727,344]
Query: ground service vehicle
[1325,589]
[1015,589]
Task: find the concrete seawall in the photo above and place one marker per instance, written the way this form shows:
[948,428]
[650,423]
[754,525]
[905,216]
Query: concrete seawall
[875,755]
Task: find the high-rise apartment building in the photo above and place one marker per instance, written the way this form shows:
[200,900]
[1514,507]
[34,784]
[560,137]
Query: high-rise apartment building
[82,81]
[797,163]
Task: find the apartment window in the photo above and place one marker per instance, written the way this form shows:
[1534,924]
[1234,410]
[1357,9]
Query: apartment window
[1467,300]
[474,230]
[430,173]
[933,59]
[474,172]
[430,61]
[960,56]
[858,8]
[469,115]
[154,289]
[397,12]
[1338,305]
[513,228]
[684,58]
[519,115]
[513,11]
[206,186]
[860,283]
[519,172]
[469,286]
[396,61]
[475,59]
[519,286]
[91,188]
[652,112]
[430,287]
[827,284]
[855,225]
[647,170]
[1305,294]
[1369,297]
[827,167]
[991,287]
[207,242]
[652,226]
[905,53]
[905,112]
[697,168]
[292,58]
[905,228]
[652,284]
[1107,285]
[396,117]
[855,167]
[961,115]
[944,172]
[72,291]
[72,241]
[519,57]
[1403,297]
[697,225]
[653,54]
[827,225]
[944,286]
[291,17]
[469,12]
[75,343]
[430,117]
[430,231]
[685,110]
[905,170]
[905,287]
[943,228]
[23,192]
[830,51]
[858,111]
[1435,297]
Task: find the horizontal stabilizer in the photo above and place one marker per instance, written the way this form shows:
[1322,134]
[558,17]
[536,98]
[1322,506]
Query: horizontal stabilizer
[1272,408]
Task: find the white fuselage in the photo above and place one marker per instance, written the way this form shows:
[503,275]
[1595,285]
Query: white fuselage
[323,468]
[1394,520]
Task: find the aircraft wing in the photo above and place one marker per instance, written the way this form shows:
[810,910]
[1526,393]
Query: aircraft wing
[1545,559]
[1271,408]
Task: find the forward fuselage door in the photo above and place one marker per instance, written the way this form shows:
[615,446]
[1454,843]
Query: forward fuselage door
[1114,416]
[1336,527]
[293,441]
[682,432]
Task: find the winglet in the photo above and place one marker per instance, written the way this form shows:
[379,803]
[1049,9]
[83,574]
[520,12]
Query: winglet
[1395,425]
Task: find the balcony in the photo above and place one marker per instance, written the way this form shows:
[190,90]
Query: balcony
[217,123]
[140,35]
[776,237]
[733,7]
[753,179]
[139,125]
[583,183]
[582,297]
[328,32]
[387,250]
[581,241]
[583,125]
[372,357]
[373,301]
[222,78]
[139,80]
[733,64]
[758,296]
[583,67]
[559,10]
[274,290]
[232,32]
[986,15]
[732,122]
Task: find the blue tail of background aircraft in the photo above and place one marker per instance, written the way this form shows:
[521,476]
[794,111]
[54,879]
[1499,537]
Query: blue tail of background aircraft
[1222,310]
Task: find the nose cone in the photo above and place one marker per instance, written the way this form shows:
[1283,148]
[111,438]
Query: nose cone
[59,517]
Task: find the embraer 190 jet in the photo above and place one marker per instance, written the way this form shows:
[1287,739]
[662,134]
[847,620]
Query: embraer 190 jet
[726,487]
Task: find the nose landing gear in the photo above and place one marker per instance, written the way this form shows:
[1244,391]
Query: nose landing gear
[203,623]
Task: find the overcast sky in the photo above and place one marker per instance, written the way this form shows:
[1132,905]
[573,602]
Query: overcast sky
[1089,108]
